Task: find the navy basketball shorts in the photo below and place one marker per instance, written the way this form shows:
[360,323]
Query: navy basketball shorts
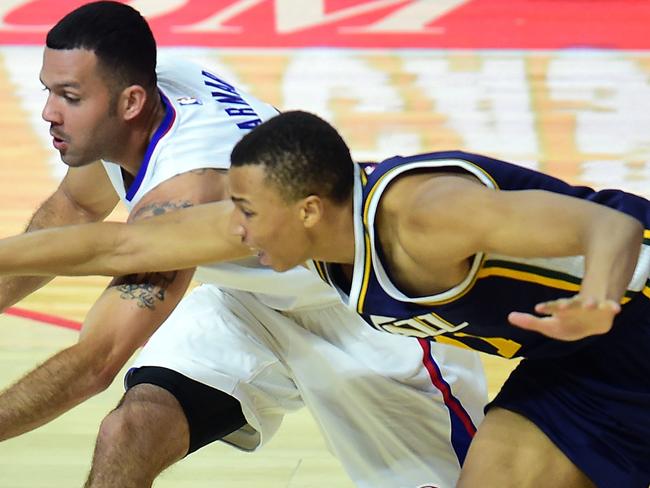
[594,404]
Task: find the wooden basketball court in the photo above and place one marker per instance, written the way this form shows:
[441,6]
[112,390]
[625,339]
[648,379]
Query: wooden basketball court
[578,114]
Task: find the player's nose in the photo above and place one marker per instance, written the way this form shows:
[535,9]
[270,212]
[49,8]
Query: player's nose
[236,226]
[50,112]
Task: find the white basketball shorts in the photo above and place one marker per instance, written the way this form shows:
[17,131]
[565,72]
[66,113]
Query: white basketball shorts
[396,411]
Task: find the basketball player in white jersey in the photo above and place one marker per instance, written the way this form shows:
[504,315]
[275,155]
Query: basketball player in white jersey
[229,362]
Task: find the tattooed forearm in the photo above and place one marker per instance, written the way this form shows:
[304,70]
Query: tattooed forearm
[146,288]
[158,208]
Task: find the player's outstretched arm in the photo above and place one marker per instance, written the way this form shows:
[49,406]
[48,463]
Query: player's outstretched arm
[84,195]
[181,239]
[610,242]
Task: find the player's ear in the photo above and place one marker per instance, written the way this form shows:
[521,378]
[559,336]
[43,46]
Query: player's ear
[131,101]
[311,210]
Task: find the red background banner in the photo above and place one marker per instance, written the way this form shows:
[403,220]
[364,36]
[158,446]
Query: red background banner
[465,24]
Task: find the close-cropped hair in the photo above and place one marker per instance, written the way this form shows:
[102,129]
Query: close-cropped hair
[302,155]
[118,35]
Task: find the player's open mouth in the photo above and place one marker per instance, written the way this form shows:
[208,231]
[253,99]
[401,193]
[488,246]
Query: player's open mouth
[59,144]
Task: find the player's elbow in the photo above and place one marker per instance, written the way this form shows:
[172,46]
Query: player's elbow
[634,228]
[614,227]
[90,368]
[103,379]
[102,375]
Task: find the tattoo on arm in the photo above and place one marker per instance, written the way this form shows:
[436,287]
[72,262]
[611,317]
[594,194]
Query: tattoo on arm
[158,208]
[146,288]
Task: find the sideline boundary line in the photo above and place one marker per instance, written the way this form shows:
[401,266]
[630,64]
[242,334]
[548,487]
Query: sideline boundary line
[43,318]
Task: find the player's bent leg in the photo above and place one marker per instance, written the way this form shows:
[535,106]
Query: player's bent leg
[131,447]
[509,451]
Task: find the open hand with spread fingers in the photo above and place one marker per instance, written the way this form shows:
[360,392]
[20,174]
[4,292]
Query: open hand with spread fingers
[569,319]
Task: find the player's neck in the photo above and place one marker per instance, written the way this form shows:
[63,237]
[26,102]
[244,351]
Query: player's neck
[334,239]
[138,135]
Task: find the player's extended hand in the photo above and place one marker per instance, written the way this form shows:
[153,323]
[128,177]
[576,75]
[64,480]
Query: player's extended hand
[569,319]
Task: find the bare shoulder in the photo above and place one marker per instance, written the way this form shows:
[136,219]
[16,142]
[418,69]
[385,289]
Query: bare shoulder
[423,231]
[423,195]
[197,186]
[205,184]
[181,191]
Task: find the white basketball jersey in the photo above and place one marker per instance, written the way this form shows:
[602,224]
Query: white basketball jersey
[205,117]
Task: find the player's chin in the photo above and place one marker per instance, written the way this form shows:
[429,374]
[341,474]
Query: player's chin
[266,260]
[75,162]
[275,262]
[280,266]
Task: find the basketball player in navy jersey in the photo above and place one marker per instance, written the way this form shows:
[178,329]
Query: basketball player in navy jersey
[488,255]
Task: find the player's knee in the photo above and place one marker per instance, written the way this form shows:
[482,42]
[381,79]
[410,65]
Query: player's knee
[132,418]
[118,428]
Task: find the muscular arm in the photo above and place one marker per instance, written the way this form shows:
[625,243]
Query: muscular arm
[113,330]
[84,195]
[126,314]
[181,239]
[463,218]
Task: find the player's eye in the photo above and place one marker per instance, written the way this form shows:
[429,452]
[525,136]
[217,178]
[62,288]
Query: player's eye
[71,98]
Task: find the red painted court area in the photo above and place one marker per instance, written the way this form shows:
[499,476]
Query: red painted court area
[463,24]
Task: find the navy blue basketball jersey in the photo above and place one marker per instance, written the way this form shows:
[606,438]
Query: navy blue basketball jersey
[474,313]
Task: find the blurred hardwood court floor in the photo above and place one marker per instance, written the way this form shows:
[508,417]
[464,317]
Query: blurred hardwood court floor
[578,115]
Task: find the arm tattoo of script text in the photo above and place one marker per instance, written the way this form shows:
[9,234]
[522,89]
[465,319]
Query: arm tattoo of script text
[145,288]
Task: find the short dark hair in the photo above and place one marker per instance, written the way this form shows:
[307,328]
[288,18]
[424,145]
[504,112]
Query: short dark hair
[118,35]
[302,155]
